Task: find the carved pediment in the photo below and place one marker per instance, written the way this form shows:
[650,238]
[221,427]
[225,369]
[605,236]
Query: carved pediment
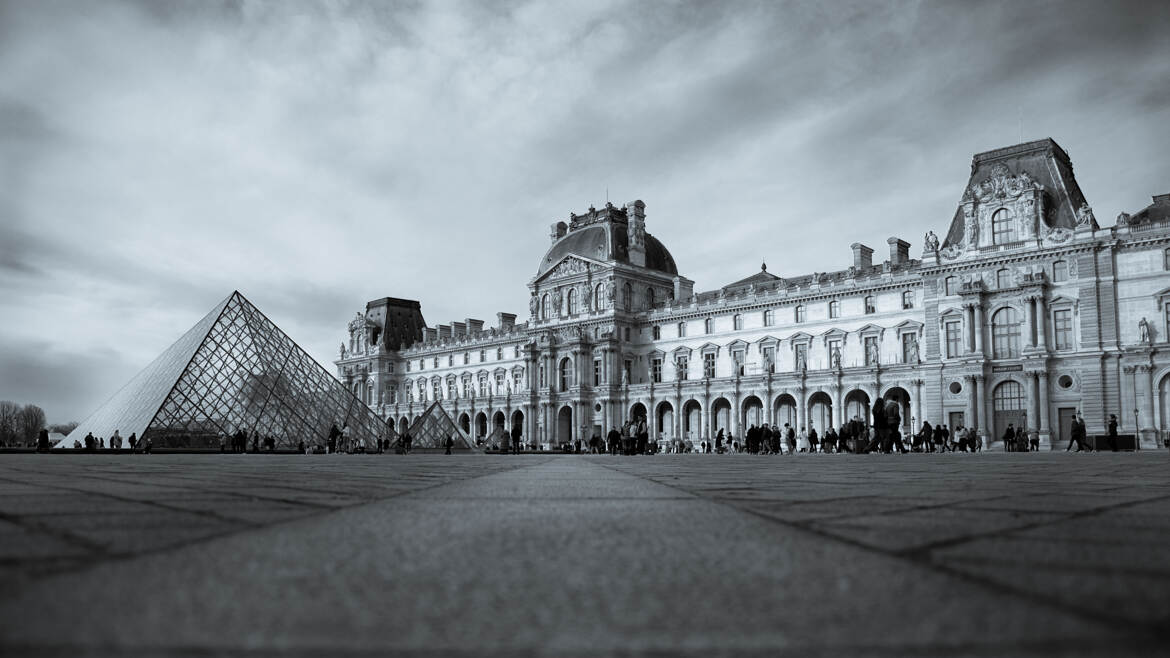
[1003,185]
[871,329]
[681,351]
[908,326]
[737,345]
[709,347]
[800,337]
[568,267]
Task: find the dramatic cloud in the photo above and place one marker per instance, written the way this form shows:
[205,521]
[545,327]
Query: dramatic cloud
[155,156]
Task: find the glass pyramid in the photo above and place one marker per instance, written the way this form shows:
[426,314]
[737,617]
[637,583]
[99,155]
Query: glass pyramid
[430,431]
[233,370]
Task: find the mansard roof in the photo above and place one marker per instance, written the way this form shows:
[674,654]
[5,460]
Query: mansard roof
[603,235]
[757,279]
[1047,163]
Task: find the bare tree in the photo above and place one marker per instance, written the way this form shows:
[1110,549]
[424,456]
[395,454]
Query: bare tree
[9,411]
[30,421]
[64,428]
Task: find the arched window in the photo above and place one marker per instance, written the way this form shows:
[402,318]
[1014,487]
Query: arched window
[1003,279]
[572,301]
[1003,229]
[370,393]
[834,309]
[1005,334]
[566,373]
[545,307]
[908,299]
[738,322]
[798,313]
[951,286]
[649,298]
[708,326]
[870,306]
[1008,396]
[769,318]
[627,297]
[1059,271]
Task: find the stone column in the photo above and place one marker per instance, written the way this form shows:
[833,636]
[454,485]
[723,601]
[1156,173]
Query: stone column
[969,334]
[988,408]
[1029,307]
[979,328]
[1045,432]
[1033,401]
[918,405]
[970,418]
[1041,316]
[801,409]
[705,419]
[838,406]
[735,411]
[676,431]
[981,410]
[1146,377]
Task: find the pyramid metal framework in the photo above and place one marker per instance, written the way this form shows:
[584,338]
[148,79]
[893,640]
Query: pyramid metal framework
[235,369]
[430,431]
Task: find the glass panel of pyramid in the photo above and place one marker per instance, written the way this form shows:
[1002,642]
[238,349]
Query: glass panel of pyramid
[235,370]
[431,430]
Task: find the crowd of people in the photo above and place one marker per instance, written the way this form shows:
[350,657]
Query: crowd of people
[883,434]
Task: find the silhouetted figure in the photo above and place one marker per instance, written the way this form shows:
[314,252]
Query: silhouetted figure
[449,443]
[1112,435]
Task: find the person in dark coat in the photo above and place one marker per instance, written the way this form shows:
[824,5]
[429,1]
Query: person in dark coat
[1009,438]
[1112,436]
[1077,434]
[515,439]
[893,427]
[879,426]
[813,439]
[43,440]
[614,439]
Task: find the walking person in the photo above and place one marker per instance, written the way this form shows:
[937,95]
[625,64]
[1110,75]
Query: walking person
[1111,437]
[1077,434]
[449,443]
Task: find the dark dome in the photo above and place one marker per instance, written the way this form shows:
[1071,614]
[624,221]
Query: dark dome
[594,242]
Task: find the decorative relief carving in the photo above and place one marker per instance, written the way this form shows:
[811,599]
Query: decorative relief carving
[569,267]
[1059,234]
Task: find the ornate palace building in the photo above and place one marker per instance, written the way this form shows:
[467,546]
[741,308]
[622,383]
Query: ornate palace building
[1025,311]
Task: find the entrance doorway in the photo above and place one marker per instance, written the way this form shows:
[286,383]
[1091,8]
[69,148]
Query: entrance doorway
[565,425]
[1008,404]
[955,419]
[1064,416]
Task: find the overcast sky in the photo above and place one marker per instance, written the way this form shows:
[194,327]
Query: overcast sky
[156,156]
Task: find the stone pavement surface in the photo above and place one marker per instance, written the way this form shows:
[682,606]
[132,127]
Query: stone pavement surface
[972,555]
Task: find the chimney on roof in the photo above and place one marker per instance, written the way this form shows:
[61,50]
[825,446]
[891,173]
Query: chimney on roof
[899,251]
[506,321]
[444,331]
[558,230]
[459,329]
[862,256]
[474,326]
[1162,199]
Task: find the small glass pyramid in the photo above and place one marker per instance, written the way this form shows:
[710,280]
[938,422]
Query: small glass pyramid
[430,431]
[234,370]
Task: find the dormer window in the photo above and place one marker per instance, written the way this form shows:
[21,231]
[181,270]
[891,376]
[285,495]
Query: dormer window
[1003,229]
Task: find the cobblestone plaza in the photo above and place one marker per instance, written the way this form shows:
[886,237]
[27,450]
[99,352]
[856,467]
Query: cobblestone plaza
[980,555]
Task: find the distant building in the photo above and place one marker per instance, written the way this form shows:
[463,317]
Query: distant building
[1022,312]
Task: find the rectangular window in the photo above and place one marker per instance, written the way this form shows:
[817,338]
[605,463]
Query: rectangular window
[629,371]
[516,352]
[437,390]
[499,354]
[597,372]
[435,363]
[770,359]
[482,356]
[739,365]
[954,338]
[627,334]
[1062,328]
[390,367]
[656,370]
[499,383]
[450,360]
[683,365]
[1059,271]
[769,318]
[517,380]
[871,351]
[950,285]
[483,385]
[451,393]
[394,394]
[709,365]
[408,366]
[466,358]
[657,332]
[682,330]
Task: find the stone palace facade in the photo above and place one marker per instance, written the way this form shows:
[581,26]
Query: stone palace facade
[1025,311]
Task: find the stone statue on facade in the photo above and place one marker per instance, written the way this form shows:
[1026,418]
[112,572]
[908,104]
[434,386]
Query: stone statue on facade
[800,362]
[556,301]
[587,296]
[970,229]
[931,241]
[1085,215]
[533,304]
[1144,332]
[873,354]
[610,291]
[1123,219]
[912,357]
[343,351]
[767,361]
[835,358]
